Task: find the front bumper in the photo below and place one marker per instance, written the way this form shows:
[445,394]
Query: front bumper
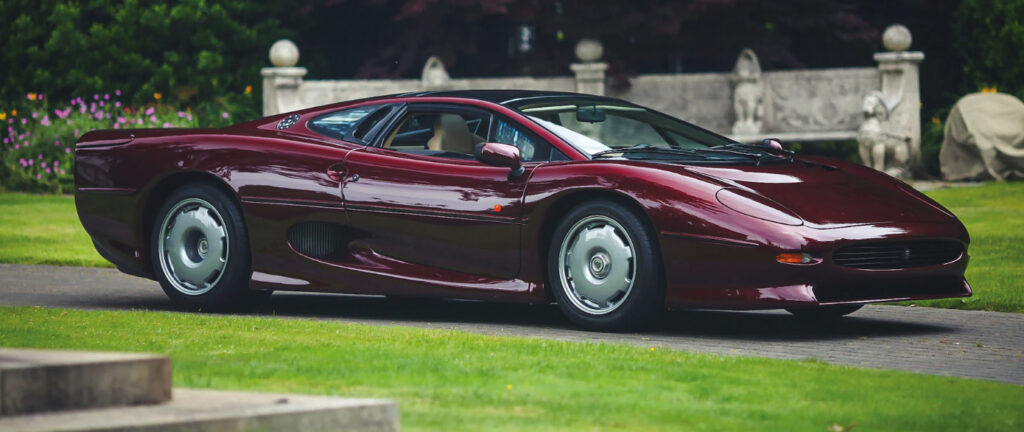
[721,274]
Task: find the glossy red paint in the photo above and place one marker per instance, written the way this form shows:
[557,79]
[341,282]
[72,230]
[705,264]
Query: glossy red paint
[418,225]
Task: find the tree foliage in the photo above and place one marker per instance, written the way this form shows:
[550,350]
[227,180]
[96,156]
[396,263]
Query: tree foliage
[183,50]
[990,40]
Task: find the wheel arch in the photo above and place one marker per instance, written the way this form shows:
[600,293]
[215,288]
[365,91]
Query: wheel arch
[157,194]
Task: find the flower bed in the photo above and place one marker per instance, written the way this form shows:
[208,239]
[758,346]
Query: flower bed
[37,152]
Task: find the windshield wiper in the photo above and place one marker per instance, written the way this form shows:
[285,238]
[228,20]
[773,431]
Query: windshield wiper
[642,148]
[779,153]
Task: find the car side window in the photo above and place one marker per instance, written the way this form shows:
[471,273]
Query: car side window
[439,133]
[532,148]
[339,124]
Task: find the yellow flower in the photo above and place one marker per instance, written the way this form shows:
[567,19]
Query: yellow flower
[158,95]
[248,89]
[31,96]
[509,387]
[936,120]
[652,349]
[14,113]
[3,116]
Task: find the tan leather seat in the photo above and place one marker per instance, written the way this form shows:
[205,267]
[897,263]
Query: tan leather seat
[451,134]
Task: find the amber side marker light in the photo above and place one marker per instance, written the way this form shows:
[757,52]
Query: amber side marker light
[794,258]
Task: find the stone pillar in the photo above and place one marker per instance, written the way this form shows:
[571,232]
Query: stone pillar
[590,73]
[281,82]
[900,85]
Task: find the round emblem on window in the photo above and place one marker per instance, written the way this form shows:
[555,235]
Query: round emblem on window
[288,122]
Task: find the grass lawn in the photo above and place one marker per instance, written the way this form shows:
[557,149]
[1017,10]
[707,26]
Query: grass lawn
[45,230]
[449,380]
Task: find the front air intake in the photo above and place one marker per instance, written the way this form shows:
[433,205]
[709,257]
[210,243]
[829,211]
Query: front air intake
[898,255]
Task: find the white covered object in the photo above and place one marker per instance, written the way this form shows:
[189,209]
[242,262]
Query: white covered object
[984,138]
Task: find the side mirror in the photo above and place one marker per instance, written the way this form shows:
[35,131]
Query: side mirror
[502,155]
[774,143]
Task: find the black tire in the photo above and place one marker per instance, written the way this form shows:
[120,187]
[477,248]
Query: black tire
[227,287]
[642,302]
[825,312]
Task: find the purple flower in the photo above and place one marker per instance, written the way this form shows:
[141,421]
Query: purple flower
[117,92]
[43,164]
[30,161]
[102,103]
[106,96]
[39,176]
[224,115]
[188,116]
[138,121]
[22,162]
[153,119]
[35,114]
[62,171]
[56,143]
[24,121]
[181,114]
[41,96]
[45,121]
[40,156]
[96,96]
[117,126]
[167,125]
[150,111]
[117,104]
[17,146]
[67,149]
[99,116]
[56,163]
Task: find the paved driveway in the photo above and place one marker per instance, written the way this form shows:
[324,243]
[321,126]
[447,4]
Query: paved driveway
[985,345]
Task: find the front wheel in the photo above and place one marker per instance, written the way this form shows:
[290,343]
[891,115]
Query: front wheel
[604,267]
[200,249]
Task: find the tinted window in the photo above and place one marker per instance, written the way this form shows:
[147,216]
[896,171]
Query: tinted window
[531,147]
[437,133]
[338,124]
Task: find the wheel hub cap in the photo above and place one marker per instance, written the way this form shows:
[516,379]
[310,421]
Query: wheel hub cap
[596,264]
[193,246]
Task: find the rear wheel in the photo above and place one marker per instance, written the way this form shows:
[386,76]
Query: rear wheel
[825,312]
[200,249]
[604,268]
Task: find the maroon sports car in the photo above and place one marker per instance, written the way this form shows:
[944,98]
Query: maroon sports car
[612,210]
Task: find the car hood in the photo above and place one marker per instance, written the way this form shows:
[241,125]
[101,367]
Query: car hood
[831,195]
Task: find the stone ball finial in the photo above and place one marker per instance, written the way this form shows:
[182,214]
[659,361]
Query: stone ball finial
[284,53]
[897,38]
[589,50]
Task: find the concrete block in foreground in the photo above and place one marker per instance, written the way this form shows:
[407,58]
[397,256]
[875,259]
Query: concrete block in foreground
[209,411]
[33,381]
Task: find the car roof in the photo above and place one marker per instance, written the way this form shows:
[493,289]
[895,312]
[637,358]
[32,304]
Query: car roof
[510,98]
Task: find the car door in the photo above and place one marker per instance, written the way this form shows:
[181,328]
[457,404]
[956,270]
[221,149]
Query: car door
[421,198]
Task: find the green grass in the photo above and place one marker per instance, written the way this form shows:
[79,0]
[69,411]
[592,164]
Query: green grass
[44,229]
[449,380]
[994,216]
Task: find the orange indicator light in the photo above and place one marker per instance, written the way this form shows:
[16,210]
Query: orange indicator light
[497,208]
[793,258]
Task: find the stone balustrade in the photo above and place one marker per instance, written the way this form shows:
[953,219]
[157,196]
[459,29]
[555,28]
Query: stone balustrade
[748,104]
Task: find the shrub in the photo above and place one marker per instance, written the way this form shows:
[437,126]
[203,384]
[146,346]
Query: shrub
[37,151]
[189,51]
[989,35]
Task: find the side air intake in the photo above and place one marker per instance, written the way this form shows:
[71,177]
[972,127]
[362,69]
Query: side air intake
[316,239]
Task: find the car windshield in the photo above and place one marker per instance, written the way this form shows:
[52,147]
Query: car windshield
[604,129]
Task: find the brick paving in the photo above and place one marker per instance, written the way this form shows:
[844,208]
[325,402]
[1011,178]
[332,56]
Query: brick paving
[971,344]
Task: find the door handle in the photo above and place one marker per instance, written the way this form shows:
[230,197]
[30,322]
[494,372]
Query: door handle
[336,172]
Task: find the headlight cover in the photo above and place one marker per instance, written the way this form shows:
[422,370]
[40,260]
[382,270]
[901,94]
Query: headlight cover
[756,206]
